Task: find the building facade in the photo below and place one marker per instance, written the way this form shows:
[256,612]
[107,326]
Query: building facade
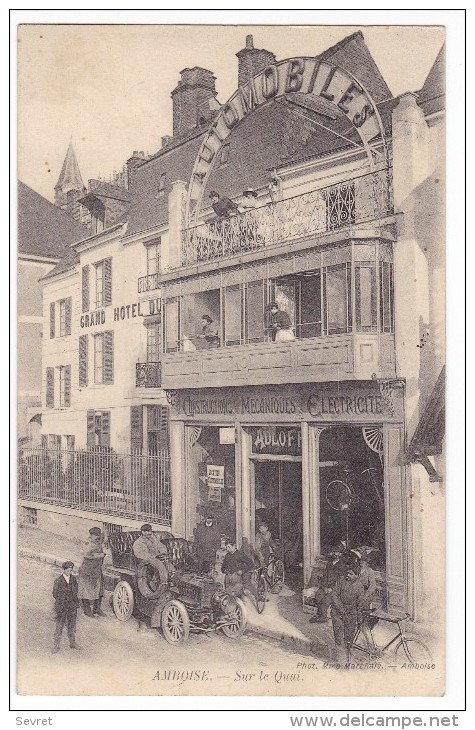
[173,347]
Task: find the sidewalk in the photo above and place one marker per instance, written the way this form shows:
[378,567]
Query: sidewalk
[281,620]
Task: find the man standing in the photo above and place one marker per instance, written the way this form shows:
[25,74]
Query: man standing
[207,541]
[65,593]
[150,549]
[347,609]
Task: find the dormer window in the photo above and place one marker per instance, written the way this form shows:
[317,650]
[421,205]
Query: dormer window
[161,185]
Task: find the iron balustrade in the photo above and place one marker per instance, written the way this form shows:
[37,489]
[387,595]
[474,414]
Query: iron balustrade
[98,480]
[148,283]
[359,200]
[148,375]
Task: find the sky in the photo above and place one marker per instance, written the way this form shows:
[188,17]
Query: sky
[108,86]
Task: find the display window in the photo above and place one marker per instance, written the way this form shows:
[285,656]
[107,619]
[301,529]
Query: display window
[352,501]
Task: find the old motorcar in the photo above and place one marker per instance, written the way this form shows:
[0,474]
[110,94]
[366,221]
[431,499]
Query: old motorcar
[188,601]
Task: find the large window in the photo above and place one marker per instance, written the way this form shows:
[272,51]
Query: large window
[102,284]
[153,257]
[337,299]
[153,342]
[233,315]
[341,295]
[366,296]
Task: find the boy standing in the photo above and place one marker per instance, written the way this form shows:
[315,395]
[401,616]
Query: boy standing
[65,592]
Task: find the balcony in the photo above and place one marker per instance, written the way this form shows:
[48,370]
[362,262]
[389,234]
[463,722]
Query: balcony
[147,283]
[353,202]
[354,356]
[148,375]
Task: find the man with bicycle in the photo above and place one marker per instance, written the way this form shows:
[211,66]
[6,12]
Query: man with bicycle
[238,567]
[347,605]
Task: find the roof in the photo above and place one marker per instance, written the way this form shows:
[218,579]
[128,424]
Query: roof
[43,228]
[70,175]
[69,261]
[432,95]
[353,55]
[107,190]
[287,130]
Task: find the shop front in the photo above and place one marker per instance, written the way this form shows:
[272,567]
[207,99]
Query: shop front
[320,464]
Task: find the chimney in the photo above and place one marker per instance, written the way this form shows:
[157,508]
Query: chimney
[252,61]
[193,99]
[132,163]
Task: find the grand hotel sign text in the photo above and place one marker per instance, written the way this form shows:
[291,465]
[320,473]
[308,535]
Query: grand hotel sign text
[124,311]
[296,75]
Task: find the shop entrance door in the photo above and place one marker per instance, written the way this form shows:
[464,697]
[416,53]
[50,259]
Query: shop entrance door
[278,501]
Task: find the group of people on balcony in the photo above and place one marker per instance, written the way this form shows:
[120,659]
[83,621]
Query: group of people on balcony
[225,207]
[279,328]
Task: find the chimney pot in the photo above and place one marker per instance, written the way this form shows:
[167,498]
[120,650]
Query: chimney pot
[249,41]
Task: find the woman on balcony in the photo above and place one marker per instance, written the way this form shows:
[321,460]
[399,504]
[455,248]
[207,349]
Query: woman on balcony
[280,324]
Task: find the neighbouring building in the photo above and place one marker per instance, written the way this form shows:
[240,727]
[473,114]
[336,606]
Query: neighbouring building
[323,431]
[44,235]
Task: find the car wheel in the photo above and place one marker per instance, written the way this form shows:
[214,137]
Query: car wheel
[123,600]
[175,622]
[238,621]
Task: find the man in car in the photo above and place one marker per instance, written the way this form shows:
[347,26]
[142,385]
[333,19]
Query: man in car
[150,549]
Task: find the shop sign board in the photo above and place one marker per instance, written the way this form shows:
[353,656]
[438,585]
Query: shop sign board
[276,440]
[348,402]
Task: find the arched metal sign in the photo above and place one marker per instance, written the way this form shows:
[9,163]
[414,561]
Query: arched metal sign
[305,75]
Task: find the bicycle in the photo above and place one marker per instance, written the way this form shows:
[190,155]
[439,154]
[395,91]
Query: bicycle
[270,576]
[406,649]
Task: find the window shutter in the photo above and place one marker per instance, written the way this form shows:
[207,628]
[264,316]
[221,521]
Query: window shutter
[90,429]
[136,428]
[106,428]
[67,386]
[44,441]
[83,355]
[108,357]
[67,316]
[51,320]
[85,288]
[162,418]
[49,387]
[107,281]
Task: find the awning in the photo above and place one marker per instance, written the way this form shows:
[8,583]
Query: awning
[429,434]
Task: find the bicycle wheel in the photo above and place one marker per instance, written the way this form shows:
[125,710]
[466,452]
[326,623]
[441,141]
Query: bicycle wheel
[412,651]
[338,495]
[278,576]
[261,593]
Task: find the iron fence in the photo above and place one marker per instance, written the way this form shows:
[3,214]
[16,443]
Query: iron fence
[100,480]
[361,199]
[147,283]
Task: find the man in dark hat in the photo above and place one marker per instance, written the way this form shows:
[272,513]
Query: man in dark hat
[207,542]
[149,548]
[65,593]
[222,206]
[347,607]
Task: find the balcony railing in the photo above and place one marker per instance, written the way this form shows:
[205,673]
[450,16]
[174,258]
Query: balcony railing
[98,480]
[148,375]
[359,200]
[148,283]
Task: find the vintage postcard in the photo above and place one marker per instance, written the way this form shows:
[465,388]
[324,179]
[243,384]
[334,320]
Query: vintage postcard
[231,360]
